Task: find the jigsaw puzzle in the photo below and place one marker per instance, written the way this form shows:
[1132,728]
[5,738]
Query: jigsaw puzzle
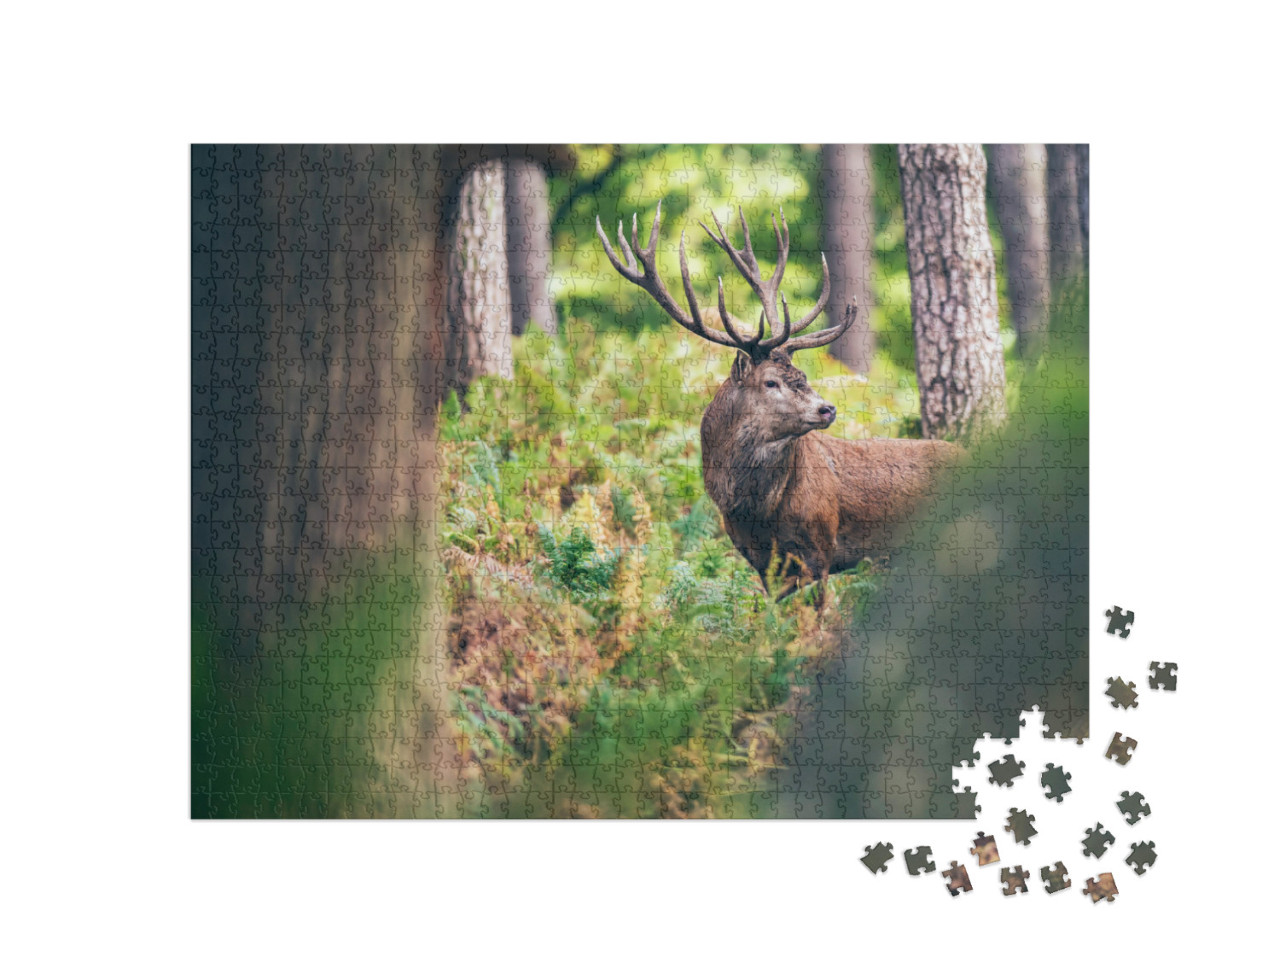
[1020,825]
[1015,880]
[957,879]
[1163,676]
[1119,622]
[1055,782]
[1141,856]
[919,861]
[984,847]
[1134,805]
[877,858]
[1103,887]
[1121,749]
[1096,841]
[1055,879]
[1122,693]
[518,477]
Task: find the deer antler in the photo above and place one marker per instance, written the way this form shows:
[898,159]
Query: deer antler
[744,259]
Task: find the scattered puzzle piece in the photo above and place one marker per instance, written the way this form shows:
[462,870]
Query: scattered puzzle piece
[1122,693]
[1104,887]
[1121,748]
[984,847]
[1163,676]
[1055,880]
[1003,773]
[1141,856]
[1119,622]
[1020,825]
[1056,782]
[877,859]
[957,879]
[1135,805]
[918,861]
[1096,841]
[1015,880]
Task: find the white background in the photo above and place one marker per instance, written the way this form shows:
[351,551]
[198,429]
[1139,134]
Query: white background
[101,106]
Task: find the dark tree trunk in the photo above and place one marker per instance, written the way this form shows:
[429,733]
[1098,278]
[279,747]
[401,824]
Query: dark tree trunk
[317,351]
[1066,241]
[848,235]
[478,299]
[1018,189]
[959,360]
[1082,196]
[528,223]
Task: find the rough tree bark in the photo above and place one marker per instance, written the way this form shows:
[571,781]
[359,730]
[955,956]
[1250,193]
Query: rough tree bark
[848,234]
[528,238]
[959,361]
[1066,241]
[317,352]
[1018,189]
[1082,196]
[478,298]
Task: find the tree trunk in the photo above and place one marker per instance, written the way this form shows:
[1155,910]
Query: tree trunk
[317,353]
[1066,242]
[1018,189]
[528,224]
[1082,196]
[959,360]
[478,340]
[848,232]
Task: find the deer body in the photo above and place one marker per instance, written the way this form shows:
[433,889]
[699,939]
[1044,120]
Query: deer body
[816,503]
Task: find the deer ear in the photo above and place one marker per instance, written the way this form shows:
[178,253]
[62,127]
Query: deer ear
[741,367]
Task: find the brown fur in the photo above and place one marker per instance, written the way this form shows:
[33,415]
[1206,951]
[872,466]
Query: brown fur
[821,504]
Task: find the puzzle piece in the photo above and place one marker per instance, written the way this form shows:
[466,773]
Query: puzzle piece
[1163,676]
[1020,825]
[1056,782]
[1141,856]
[984,847]
[918,861]
[1122,693]
[1003,773]
[1121,749]
[877,860]
[966,802]
[1119,622]
[1015,880]
[957,879]
[1104,887]
[1096,841]
[1055,880]
[1135,805]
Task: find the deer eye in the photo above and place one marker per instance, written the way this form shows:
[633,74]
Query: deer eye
[771,384]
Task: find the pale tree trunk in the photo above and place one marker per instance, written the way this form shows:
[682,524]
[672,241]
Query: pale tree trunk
[959,361]
[1082,196]
[848,237]
[528,225]
[1018,189]
[478,299]
[317,360]
[1066,240]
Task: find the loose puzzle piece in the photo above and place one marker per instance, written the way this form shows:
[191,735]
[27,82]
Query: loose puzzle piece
[1141,856]
[1015,880]
[984,847]
[1003,773]
[1119,622]
[918,861]
[1122,693]
[1163,676]
[1135,805]
[957,879]
[1020,825]
[1096,841]
[1056,782]
[1104,887]
[1055,880]
[1121,748]
[877,859]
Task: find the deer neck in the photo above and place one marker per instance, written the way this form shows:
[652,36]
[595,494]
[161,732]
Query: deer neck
[751,477]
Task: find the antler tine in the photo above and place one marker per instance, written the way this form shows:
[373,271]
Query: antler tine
[746,344]
[821,338]
[632,273]
[822,299]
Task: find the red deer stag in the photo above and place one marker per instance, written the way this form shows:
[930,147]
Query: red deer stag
[817,503]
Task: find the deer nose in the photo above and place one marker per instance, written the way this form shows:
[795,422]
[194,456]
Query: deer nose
[828,412]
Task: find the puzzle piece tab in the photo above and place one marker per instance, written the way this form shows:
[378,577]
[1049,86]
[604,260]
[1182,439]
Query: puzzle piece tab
[1119,622]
